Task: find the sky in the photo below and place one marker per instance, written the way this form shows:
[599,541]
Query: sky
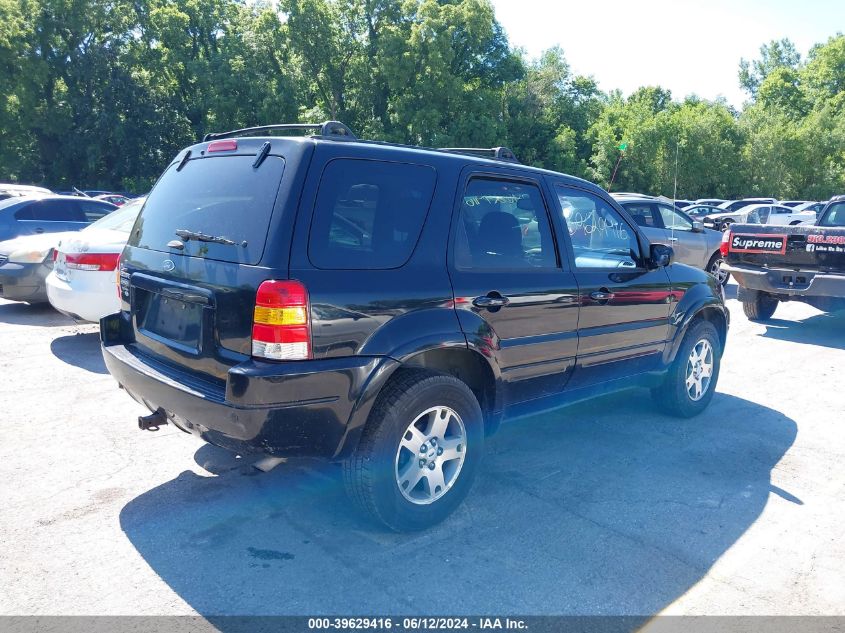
[685,46]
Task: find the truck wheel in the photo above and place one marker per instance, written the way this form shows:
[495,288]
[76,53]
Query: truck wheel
[714,267]
[691,381]
[419,452]
[758,306]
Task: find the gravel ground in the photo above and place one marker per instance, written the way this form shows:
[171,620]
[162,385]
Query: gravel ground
[603,508]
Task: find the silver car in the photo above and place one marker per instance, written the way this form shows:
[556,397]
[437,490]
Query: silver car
[663,224]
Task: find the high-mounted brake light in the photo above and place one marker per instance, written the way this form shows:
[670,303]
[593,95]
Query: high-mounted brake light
[222,146]
[92,261]
[281,327]
[724,247]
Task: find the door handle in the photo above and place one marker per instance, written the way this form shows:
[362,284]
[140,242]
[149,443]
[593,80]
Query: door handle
[39,230]
[673,239]
[602,295]
[492,300]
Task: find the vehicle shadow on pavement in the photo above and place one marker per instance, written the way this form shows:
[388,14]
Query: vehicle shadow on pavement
[40,314]
[80,350]
[603,508]
[826,329]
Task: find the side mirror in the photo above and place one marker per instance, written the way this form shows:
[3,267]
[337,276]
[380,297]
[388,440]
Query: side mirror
[697,227]
[661,255]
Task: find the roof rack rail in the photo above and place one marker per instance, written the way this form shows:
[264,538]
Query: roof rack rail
[334,129]
[499,153]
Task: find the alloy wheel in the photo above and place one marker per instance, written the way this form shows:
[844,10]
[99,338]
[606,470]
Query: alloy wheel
[717,271]
[430,456]
[699,370]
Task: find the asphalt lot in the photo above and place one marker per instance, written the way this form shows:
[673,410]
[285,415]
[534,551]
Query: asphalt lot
[603,508]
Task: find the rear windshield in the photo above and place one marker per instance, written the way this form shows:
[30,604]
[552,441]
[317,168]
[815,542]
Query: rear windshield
[835,215]
[221,197]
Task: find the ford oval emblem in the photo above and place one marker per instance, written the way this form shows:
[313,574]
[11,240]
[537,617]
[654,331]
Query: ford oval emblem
[168,265]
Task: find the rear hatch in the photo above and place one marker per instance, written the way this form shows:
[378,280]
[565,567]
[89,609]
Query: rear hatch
[813,248]
[212,229]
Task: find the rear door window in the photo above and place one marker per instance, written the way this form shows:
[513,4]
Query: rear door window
[643,214]
[369,214]
[221,197]
[52,211]
[94,210]
[504,225]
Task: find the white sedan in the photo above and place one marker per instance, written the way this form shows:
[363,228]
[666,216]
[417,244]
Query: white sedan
[83,283]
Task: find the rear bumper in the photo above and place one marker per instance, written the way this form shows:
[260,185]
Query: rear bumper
[84,301]
[24,282]
[788,283]
[311,408]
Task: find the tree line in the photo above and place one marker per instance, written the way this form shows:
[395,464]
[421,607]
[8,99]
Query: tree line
[102,93]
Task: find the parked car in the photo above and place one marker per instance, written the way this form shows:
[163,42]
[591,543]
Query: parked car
[26,260]
[693,244]
[734,205]
[682,204]
[115,198]
[775,214]
[715,202]
[789,263]
[25,263]
[8,190]
[699,211]
[30,215]
[459,290]
[83,282]
[809,208]
[723,219]
[755,214]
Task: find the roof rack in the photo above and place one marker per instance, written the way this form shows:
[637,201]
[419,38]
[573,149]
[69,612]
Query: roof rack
[499,153]
[334,129]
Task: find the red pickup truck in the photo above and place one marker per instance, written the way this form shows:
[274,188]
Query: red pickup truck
[789,263]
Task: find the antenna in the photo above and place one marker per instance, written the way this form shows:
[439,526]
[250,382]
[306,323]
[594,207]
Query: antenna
[675,188]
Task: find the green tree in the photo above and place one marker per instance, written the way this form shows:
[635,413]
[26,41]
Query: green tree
[776,54]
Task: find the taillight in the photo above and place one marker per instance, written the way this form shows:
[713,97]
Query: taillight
[281,327]
[92,261]
[724,247]
[117,278]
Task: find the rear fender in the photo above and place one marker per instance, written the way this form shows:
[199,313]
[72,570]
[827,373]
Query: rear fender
[699,300]
[436,329]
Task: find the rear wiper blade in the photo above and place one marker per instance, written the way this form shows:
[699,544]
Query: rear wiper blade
[187,235]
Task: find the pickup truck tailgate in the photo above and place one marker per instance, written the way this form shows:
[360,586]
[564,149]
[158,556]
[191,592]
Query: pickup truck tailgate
[807,248]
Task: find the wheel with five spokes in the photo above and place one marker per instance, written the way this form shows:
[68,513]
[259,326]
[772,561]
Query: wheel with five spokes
[419,451]
[691,380]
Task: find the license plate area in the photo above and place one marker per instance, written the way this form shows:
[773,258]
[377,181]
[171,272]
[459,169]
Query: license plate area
[170,320]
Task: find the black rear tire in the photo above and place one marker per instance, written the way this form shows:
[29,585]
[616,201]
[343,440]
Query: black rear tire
[673,396]
[370,474]
[758,306]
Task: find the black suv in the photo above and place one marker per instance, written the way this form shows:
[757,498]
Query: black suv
[386,306]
